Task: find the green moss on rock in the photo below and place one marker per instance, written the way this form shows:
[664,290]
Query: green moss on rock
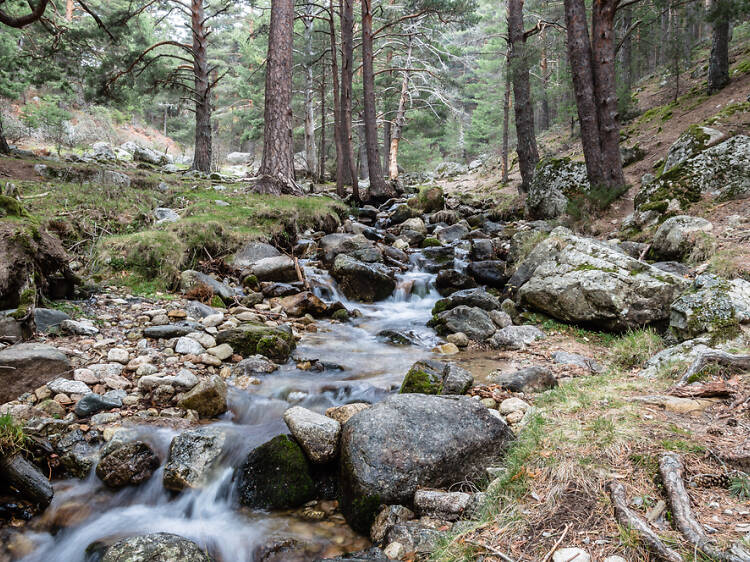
[252,339]
[421,382]
[362,513]
[430,243]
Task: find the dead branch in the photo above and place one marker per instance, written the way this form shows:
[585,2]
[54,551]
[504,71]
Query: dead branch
[22,21]
[712,389]
[714,356]
[627,518]
[672,470]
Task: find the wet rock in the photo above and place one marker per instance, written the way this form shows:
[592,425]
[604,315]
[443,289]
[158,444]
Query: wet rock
[192,456]
[208,397]
[365,282]
[342,413]
[318,435]
[257,339]
[474,322]
[446,506]
[459,339]
[478,298]
[26,479]
[77,454]
[278,269]
[584,281]
[429,199]
[31,365]
[386,518]
[48,318]
[161,547]
[402,213]
[712,306]
[253,252]
[515,337]
[449,281]
[276,475]
[169,331]
[128,465]
[491,273]
[304,303]
[452,233]
[434,259]
[353,245]
[437,440]
[435,377]
[254,365]
[678,236]
[93,403]
[482,249]
[190,279]
[565,358]
[531,379]
[396,337]
[555,181]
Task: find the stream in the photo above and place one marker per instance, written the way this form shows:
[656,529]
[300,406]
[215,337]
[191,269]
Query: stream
[358,366]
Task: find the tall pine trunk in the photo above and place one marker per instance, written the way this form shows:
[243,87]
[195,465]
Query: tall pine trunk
[386,143]
[4,148]
[336,105]
[322,162]
[718,63]
[347,74]
[277,166]
[311,153]
[398,124]
[544,117]
[379,189]
[605,88]
[579,56]
[506,117]
[528,155]
[202,156]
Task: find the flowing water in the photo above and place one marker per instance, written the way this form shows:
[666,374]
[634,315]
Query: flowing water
[357,366]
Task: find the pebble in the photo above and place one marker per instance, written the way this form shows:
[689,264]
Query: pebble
[213,320]
[569,554]
[188,346]
[513,405]
[223,351]
[146,369]
[85,376]
[118,355]
[66,386]
[105,418]
[208,359]
[206,340]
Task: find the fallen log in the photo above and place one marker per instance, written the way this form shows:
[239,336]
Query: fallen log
[672,470]
[628,518]
[714,356]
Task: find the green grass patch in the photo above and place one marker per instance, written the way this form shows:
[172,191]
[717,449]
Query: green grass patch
[12,436]
[683,446]
[635,348]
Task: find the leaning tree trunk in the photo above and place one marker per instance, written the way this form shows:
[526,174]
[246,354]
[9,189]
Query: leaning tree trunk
[202,156]
[340,191]
[379,189]
[398,124]
[347,73]
[605,88]
[506,117]
[277,166]
[311,156]
[718,63]
[579,56]
[528,155]
[4,148]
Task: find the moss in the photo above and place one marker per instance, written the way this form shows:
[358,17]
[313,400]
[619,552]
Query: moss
[728,111]
[251,339]
[26,303]
[216,302]
[251,282]
[362,513]
[11,208]
[440,306]
[273,347]
[658,206]
[589,267]
[430,242]
[428,199]
[742,67]
[276,475]
[418,381]
[342,315]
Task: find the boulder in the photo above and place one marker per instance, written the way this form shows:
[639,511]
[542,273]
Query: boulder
[565,358]
[482,249]
[163,214]
[275,475]
[253,366]
[130,464]
[354,245]
[436,258]
[190,279]
[476,298]
[449,281]
[258,339]
[143,154]
[531,379]
[253,252]
[93,403]
[161,547]
[236,158]
[434,377]
[280,269]
[490,272]
[451,234]
[712,306]
[208,397]
[192,456]
[303,303]
[47,319]
[430,199]
[515,337]
[694,140]
[555,181]
[472,321]
[29,366]
[584,281]
[318,435]
[414,440]
[679,236]
[366,282]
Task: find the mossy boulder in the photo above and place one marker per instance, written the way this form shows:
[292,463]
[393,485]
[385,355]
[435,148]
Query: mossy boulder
[276,475]
[259,339]
[430,242]
[555,181]
[429,199]
[435,377]
[694,140]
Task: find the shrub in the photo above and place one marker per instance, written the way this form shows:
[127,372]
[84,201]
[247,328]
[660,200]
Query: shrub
[50,118]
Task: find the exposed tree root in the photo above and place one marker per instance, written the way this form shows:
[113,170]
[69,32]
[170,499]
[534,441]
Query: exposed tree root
[627,518]
[672,470]
[714,356]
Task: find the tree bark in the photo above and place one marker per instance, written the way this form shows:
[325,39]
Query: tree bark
[398,124]
[506,117]
[277,166]
[379,189]
[69,10]
[364,171]
[718,63]
[347,73]
[4,148]
[605,87]
[627,51]
[337,126]
[311,156]
[386,143]
[202,156]
[528,155]
[579,57]
[544,117]
[322,161]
